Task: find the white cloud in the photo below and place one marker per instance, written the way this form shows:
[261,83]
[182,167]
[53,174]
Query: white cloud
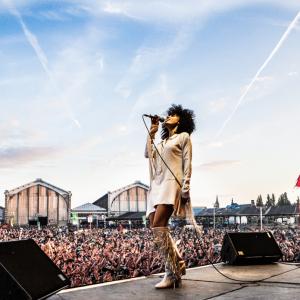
[170,11]
[221,143]
[13,132]
[114,8]
[77,68]
[118,8]
[122,128]
[162,11]
[20,4]
[215,145]
[100,62]
[218,105]
[41,55]
[154,99]
[280,23]
[148,61]
[263,78]
[262,87]
[13,157]
[52,15]
[281,41]
[293,73]
[216,165]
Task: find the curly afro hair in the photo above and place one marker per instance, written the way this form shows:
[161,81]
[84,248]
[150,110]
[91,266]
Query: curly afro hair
[186,123]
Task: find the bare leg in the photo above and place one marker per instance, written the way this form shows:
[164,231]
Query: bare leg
[162,215]
[161,219]
[151,218]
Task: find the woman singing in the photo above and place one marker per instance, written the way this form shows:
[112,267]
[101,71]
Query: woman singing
[169,193]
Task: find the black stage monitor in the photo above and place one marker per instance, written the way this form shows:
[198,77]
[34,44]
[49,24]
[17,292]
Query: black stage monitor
[26,272]
[250,248]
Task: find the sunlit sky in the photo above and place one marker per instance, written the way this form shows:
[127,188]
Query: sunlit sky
[76,77]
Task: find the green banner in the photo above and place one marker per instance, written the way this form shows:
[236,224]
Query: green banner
[74,216]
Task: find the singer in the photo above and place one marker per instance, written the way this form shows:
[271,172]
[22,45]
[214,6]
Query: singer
[169,193]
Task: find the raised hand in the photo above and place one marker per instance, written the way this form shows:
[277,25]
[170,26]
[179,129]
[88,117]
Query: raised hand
[154,126]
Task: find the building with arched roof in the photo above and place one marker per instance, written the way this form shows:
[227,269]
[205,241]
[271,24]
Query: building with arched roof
[130,198]
[37,199]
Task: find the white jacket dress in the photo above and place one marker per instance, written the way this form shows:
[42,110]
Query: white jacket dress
[164,189]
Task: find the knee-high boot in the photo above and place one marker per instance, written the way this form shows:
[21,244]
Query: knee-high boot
[180,260]
[173,265]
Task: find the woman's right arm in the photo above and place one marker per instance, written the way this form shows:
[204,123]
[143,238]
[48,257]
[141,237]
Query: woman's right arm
[151,136]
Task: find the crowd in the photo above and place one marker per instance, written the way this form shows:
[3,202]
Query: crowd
[289,243]
[91,256]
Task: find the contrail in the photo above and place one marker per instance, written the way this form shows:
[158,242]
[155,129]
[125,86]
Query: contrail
[33,41]
[247,89]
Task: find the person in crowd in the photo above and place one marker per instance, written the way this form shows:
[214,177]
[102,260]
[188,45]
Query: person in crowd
[170,165]
[102,255]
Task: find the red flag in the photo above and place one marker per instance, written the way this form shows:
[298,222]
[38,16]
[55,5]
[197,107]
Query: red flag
[298,182]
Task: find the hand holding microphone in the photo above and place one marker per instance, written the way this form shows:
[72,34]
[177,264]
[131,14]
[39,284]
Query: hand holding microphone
[155,117]
[154,124]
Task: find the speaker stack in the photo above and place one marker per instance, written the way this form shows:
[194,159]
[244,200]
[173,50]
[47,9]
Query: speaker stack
[26,272]
[243,248]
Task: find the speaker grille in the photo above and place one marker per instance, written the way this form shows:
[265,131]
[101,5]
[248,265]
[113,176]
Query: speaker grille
[250,247]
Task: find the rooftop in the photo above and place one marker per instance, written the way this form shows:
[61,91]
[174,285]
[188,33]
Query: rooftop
[41,182]
[89,207]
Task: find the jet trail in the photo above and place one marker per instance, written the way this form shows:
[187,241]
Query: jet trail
[244,94]
[42,58]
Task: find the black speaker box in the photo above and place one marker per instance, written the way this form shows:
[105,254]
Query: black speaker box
[26,272]
[243,248]
[32,222]
[43,221]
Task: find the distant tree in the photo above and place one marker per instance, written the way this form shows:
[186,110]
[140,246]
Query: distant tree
[286,198]
[280,201]
[273,199]
[259,201]
[283,200]
[270,201]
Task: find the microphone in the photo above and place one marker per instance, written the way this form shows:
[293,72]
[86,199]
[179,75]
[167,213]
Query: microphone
[161,119]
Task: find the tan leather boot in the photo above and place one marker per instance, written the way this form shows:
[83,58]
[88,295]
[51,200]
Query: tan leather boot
[168,281]
[165,244]
[181,262]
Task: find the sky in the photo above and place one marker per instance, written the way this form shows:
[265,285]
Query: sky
[76,77]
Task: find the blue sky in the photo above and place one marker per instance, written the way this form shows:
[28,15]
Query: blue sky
[76,76]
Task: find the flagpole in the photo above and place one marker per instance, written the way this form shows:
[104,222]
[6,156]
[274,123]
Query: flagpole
[260,218]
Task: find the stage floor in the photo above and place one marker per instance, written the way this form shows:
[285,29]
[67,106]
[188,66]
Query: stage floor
[273,281]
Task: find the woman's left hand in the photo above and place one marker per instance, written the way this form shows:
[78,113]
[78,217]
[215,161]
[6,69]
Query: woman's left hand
[185,199]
